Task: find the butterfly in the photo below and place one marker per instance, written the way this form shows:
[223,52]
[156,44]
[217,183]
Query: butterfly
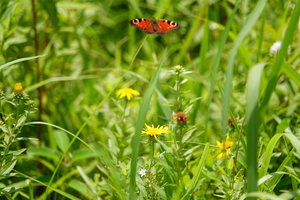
[154,26]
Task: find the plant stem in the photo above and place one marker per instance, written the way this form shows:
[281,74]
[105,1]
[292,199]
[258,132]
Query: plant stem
[38,74]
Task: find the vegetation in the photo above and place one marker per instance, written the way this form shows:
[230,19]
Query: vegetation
[92,108]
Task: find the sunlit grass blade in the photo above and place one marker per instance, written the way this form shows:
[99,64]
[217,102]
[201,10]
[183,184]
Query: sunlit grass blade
[197,174]
[252,19]
[62,129]
[217,63]
[253,124]
[19,60]
[267,156]
[140,124]
[291,73]
[48,186]
[273,77]
[33,87]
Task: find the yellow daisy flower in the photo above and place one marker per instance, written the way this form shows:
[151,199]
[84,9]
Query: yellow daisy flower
[225,146]
[128,92]
[154,132]
[18,89]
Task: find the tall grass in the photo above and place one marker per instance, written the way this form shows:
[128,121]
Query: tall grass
[222,105]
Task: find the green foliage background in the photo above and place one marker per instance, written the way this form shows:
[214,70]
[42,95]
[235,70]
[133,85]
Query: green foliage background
[87,48]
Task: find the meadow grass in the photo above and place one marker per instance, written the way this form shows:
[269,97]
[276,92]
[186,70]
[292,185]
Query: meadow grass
[92,108]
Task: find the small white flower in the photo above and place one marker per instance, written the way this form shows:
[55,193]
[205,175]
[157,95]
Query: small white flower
[142,172]
[177,68]
[212,26]
[274,49]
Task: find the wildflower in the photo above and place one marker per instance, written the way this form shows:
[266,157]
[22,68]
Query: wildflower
[230,122]
[142,172]
[225,146]
[154,132]
[128,92]
[178,68]
[274,49]
[181,117]
[18,89]
[212,26]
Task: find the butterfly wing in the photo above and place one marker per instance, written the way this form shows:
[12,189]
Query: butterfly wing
[154,26]
[142,24]
[164,26]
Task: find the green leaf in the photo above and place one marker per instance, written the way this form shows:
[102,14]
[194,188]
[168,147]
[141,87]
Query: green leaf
[50,7]
[7,11]
[14,40]
[268,154]
[62,139]
[19,60]
[253,122]
[291,73]
[83,154]
[196,177]
[8,167]
[43,151]
[79,187]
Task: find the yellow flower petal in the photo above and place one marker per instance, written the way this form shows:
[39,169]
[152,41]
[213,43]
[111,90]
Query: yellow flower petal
[128,92]
[154,132]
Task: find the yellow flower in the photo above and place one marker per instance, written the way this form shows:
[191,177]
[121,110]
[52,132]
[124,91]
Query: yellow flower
[18,89]
[128,92]
[225,146]
[154,132]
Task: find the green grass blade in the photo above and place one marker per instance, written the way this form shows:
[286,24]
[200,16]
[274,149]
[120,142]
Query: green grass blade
[136,7]
[217,63]
[280,57]
[291,73]
[252,19]
[48,186]
[139,126]
[202,66]
[267,155]
[192,31]
[57,79]
[19,60]
[64,130]
[294,140]
[261,34]
[253,124]
[197,174]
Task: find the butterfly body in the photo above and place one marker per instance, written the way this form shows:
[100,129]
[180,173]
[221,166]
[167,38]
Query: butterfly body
[154,26]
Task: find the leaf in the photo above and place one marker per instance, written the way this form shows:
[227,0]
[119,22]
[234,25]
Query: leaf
[14,40]
[6,11]
[8,167]
[19,60]
[43,151]
[83,154]
[78,186]
[196,177]
[62,139]
[50,7]
[253,123]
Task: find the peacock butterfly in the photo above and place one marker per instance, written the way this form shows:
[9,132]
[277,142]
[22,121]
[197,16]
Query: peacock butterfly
[153,26]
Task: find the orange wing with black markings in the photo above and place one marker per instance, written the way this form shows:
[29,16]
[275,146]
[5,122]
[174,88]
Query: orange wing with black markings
[154,26]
